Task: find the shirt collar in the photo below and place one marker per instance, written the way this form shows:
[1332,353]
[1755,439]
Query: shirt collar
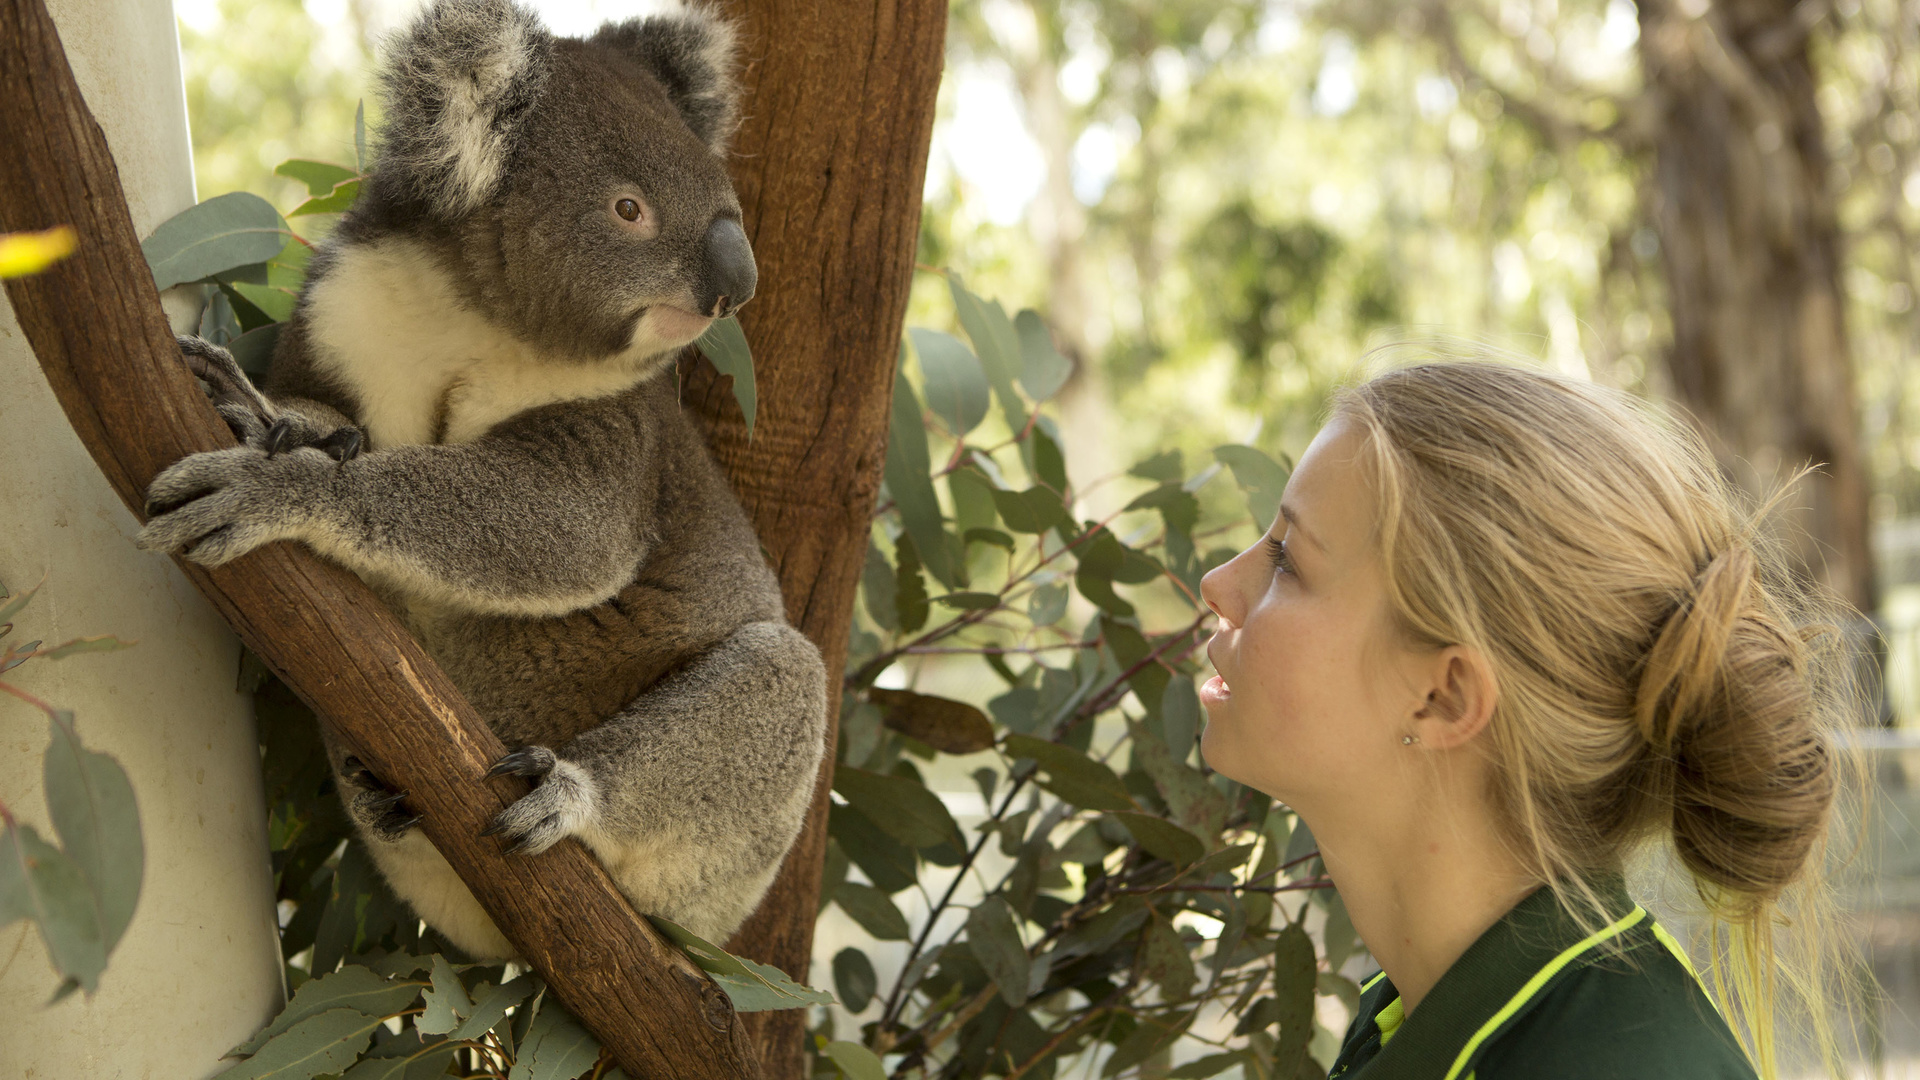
[1498,976]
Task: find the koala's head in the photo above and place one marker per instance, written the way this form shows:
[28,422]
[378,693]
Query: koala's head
[575,187]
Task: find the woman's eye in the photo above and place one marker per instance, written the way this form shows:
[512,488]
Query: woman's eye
[1277,551]
[627,208]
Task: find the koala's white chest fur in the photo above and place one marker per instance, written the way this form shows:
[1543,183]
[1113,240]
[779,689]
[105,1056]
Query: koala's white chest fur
[427,368]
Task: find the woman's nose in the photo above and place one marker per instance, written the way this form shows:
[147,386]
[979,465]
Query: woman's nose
[1216,589]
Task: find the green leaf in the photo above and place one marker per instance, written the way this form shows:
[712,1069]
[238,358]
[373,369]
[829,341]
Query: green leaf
[1048,463]
[1034,510]
[908,472]
[492,1005]
[989,536]
[352,987]
[326,1042]
[752,986]
[404,1057]
[972,492]
[1294,975]
[955,384]
[1043,371]
[1071,774]
[904,808]
[1047,604]
[909,588]
[1162,467]
[1197,806]
[872,909]
[15,605]
[997,344]
[1224,859]
[970,601]
[856,1062]
[103,643]
[337,201]
[1164,960]
[39,882]
[225,232]
[360,136]
[447,1002]
[1180,717]
[91,804]
[995,941]
[1162,838]
[556,1047]
[724,345]
[320,177]
[1146,1039]
[951,727]
[253,350]
[877,589]
[1262,478]
[854,978]
[887,862]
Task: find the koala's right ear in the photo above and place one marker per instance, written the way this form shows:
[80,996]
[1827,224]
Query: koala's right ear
[691,52]
[458,85]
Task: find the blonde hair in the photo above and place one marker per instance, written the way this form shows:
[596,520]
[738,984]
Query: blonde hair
[1662,675]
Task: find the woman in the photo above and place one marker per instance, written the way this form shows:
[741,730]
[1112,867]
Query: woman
[1506,629]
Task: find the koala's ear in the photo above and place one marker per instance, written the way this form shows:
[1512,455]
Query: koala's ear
[691,52]
[458,85]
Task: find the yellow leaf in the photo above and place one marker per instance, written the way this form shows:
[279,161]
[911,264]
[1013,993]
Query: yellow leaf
[24,254]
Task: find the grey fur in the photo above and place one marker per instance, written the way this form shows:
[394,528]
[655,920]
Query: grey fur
[531,499]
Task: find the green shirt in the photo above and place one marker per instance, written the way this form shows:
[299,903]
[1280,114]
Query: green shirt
[1538,997]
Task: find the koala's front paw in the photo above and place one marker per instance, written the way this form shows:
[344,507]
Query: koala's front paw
[254,420]
[379,807]
[562,804]
[217,506]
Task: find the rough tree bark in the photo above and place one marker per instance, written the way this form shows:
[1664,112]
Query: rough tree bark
[96,325]
[829,165]
[1751,247]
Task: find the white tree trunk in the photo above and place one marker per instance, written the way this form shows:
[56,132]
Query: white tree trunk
[199,968]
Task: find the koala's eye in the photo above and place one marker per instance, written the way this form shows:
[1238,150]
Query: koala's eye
[627,208]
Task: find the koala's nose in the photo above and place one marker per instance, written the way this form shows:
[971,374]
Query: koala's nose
[731,275]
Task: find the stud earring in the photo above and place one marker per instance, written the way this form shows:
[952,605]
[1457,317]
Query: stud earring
[1409,740]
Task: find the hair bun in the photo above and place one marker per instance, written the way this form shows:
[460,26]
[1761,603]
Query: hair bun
[1726,702]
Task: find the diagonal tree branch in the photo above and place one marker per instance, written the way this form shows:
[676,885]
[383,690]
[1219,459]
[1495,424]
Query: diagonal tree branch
[95,323]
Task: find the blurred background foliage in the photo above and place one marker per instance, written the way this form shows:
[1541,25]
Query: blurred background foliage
[1221,206]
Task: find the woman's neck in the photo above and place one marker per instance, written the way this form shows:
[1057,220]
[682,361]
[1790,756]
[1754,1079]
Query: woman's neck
[1421,887]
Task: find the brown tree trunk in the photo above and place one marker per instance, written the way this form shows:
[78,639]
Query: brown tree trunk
[1751,247]
[829,165]
[94,321]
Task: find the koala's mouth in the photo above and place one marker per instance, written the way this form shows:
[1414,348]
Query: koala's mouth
[670,323]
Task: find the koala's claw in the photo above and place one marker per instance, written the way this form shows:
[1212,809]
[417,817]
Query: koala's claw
[277,435]
[563,804]
[528,761]
[343,444]
[384,810]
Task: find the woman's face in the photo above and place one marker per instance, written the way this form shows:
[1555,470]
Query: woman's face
[1308,699]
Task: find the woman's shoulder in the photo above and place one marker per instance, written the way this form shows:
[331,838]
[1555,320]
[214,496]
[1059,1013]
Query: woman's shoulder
[1638,1015]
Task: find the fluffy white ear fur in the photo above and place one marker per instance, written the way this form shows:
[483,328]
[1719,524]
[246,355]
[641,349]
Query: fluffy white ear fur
[458,82]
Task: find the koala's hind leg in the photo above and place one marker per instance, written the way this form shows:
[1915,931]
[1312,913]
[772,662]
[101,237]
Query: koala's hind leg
[692,794]
[256,420]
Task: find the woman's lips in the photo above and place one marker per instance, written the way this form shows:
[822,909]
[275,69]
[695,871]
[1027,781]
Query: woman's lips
[1215,691]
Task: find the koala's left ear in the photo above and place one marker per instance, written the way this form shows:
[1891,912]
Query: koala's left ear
[691,52]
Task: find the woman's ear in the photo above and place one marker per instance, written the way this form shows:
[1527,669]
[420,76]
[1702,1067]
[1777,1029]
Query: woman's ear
[1461,695]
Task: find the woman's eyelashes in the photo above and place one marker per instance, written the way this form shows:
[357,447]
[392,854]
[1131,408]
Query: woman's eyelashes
[1277,551]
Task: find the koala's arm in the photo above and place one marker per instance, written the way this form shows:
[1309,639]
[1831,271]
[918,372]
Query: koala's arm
[471,526]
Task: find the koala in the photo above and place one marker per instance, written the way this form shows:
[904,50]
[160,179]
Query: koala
[472,408]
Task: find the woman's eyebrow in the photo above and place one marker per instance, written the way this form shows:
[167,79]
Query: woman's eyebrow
[1292,517]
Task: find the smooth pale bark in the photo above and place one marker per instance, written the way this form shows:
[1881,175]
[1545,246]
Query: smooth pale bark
[94,320]
[1752,252]
[830,165]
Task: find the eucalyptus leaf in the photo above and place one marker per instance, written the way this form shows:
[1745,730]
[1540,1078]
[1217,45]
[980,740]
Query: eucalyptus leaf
[724,345]
[751,986]
[492,1005]
[321,177]
[856,1062]
[877,589]
[854,978]
[905,809]
[324,1043]
[352,987]
[996,343]
[225,232]
[1295,971]
[872,909]
[1162,838]
[556,1047]
[995,941]
[1071,774]
[951,727]
[1034,510]
[1043,371]
[103,643]
[888,863]
[447,1002]
[908,470]
[1262,478]
[49,888]
[956,386]
[337,201]
[14,605]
